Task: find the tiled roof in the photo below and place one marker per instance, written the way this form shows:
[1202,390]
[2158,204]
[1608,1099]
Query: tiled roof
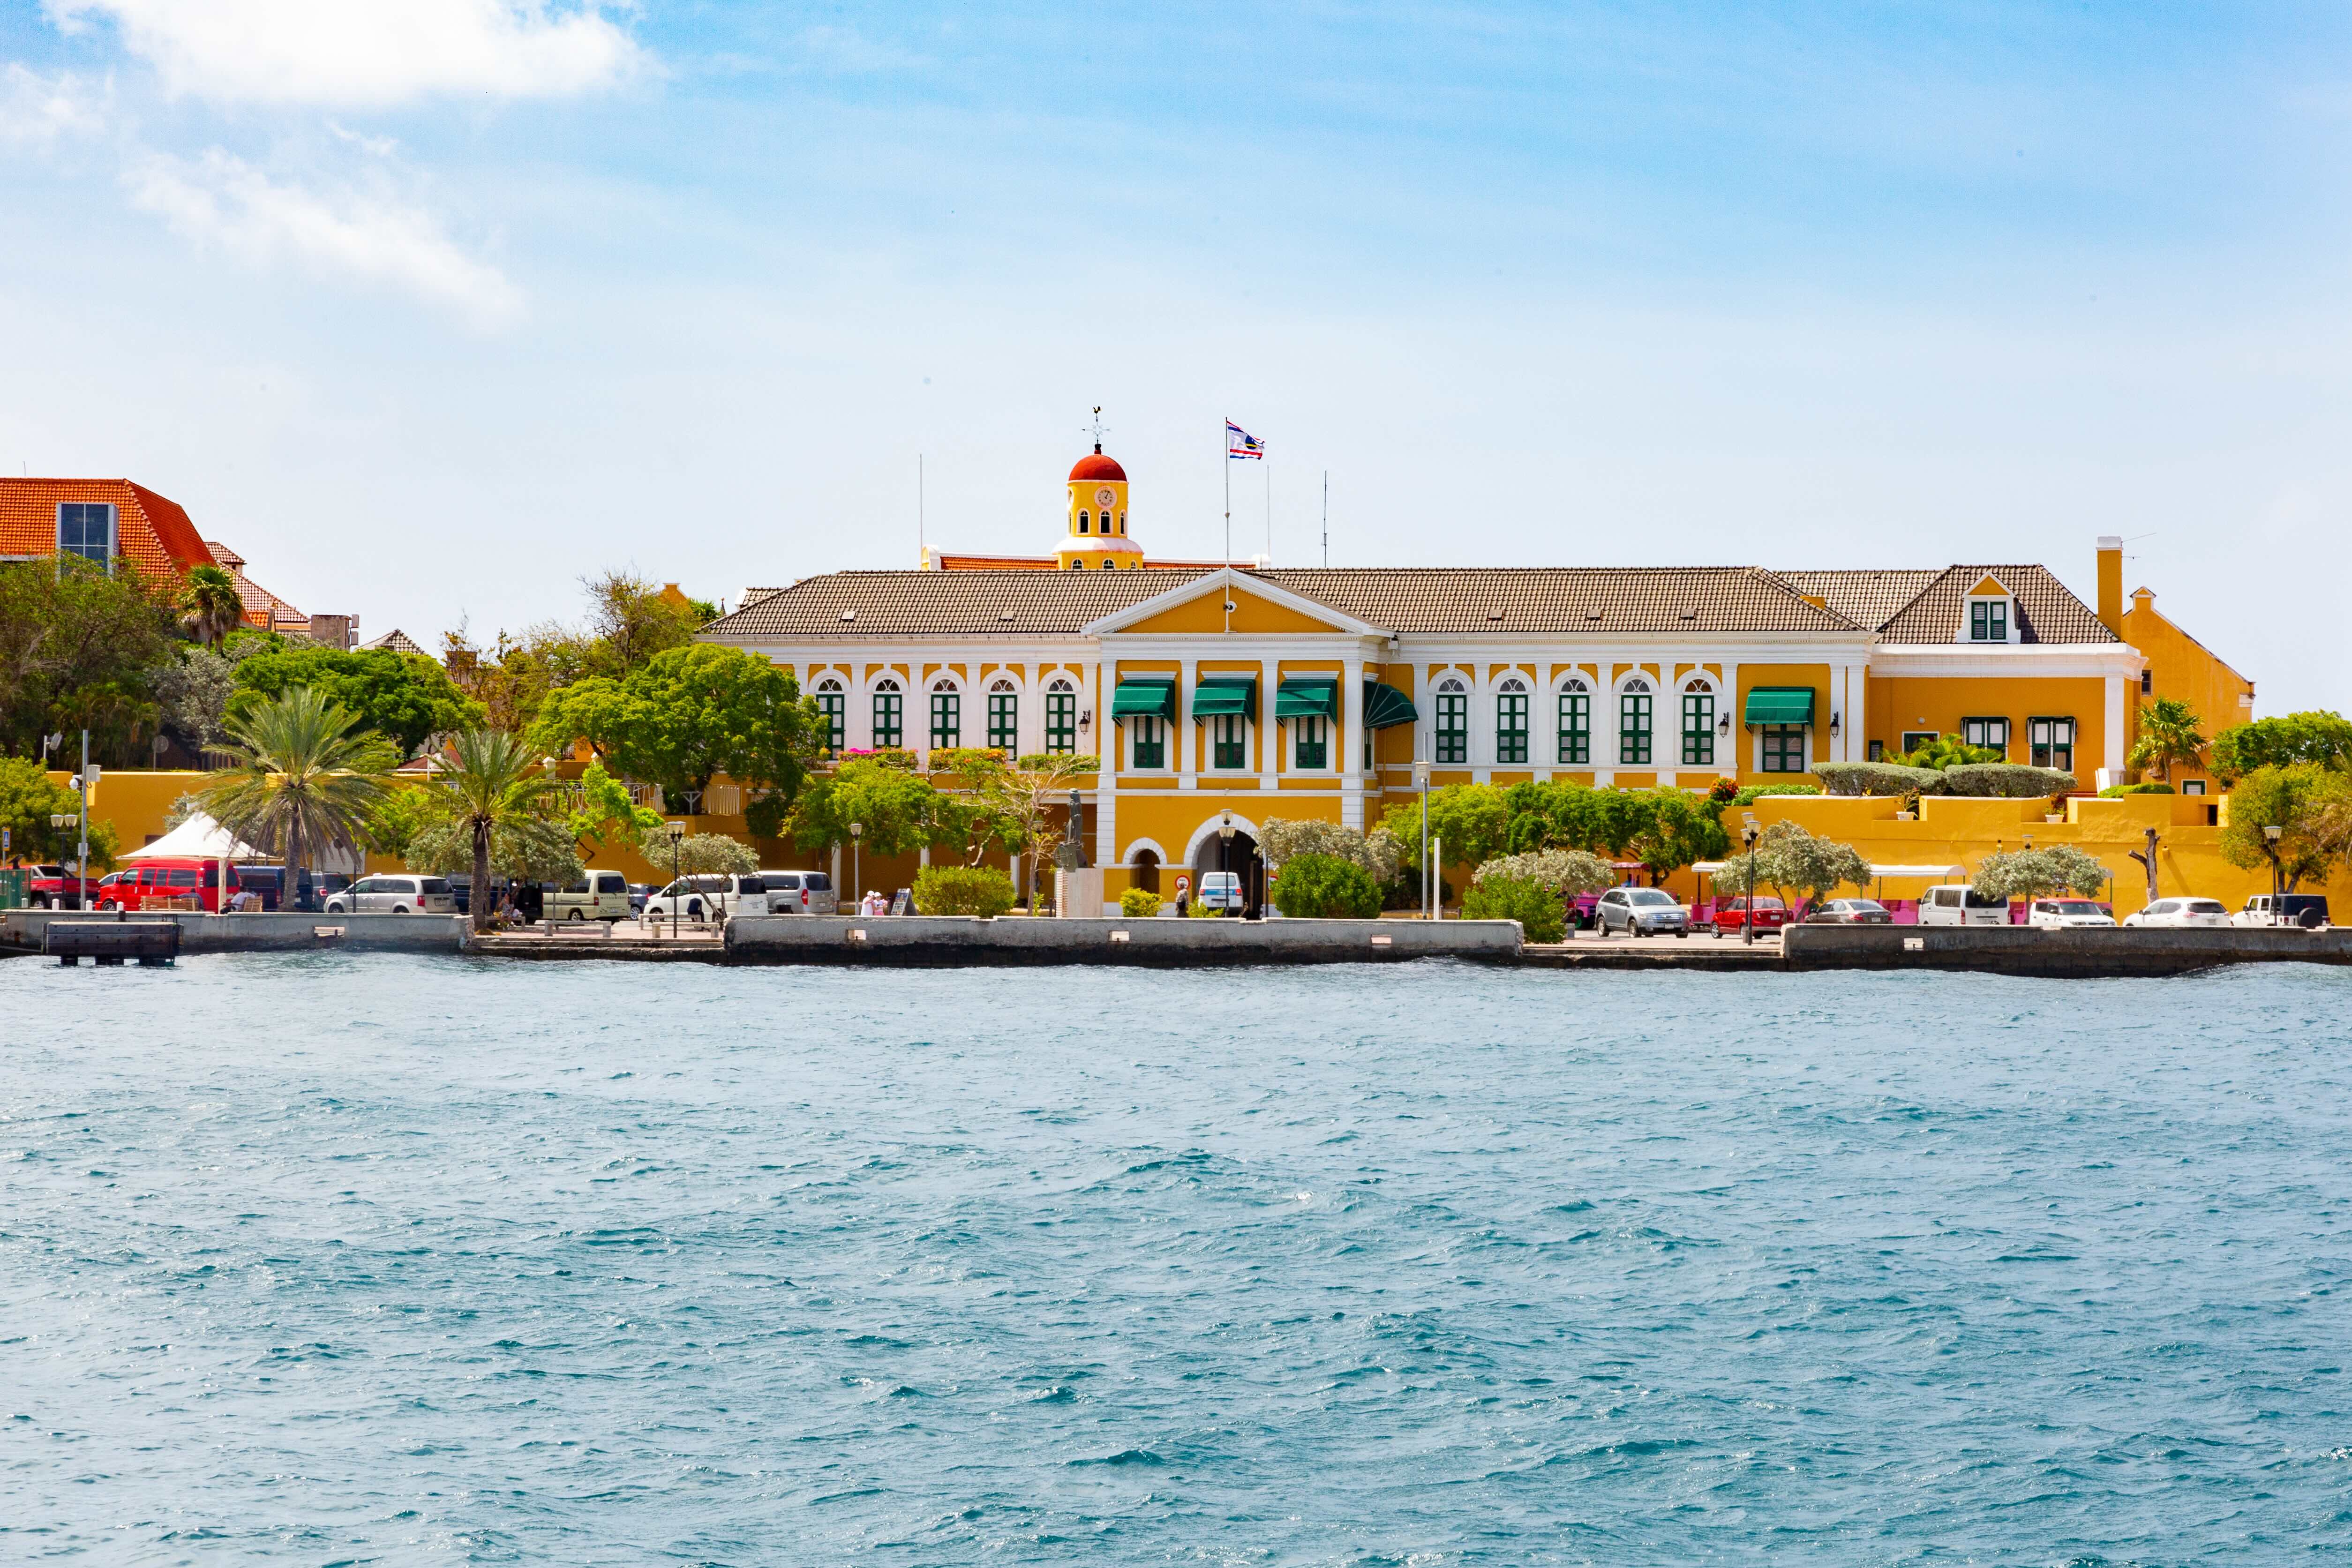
[2047,612]
[1869,598]
[1406,599]
[259,603]
[152,531]
[396,640]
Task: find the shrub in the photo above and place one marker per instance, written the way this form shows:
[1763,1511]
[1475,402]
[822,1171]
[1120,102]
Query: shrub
[2037,874]
[2117,791]
[1536,907]
[1196,910]
[2005,780]
[1139,903]
[967,759]
[1052,762]
[698,853]
[1565,872]
[1325,887]
[1284,839]
[1749,794]
[963,890]
[1877,779]
[887,756]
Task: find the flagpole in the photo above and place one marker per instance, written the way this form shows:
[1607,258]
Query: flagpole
[1269,511]
[1225,461]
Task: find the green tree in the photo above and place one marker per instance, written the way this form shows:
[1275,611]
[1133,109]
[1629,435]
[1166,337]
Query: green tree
[2038,873]
[210,607]
[77,647]
[493,794]
[1537,909]
[304,776]
[28,799]
[1281,838]
[605,813]
[2168,735]
[406,814]
[897,812]
[2305,801]
[405,697]
[699,854]
[981,891]
[1678,828]
[1565,872]
[1473,820]
[2321,737]
[192,695]
[1010,808]
[1325,887]
[1792,861]
[687,716]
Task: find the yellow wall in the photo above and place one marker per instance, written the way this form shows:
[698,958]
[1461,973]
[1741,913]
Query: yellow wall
[1205,612]
[1897,707]
[2180,666]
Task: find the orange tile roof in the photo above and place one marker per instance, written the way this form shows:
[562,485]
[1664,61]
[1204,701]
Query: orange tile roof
[262,608]
[152,531]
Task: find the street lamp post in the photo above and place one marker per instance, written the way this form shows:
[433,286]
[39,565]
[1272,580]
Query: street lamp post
[82,864]
[1224,854]
[857,862]
[1749,834]
[1420,782]
[2271,836]
[676,833]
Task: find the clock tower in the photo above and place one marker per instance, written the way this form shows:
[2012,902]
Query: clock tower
[1097,535]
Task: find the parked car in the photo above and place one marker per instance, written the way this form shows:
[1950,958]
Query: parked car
[1850,911]
[638,893]
[1958,903]
[55,887]
[1642,912]
[156,884]
[2054,913]
[801,893]
[709,896]
[2309,909]
[596,895]
[1732,915]
[1222,889]
[269,882]
[2176,912]
[395,896]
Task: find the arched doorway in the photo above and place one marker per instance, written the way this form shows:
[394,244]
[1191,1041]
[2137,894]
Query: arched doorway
[1146,870]
[1239,854]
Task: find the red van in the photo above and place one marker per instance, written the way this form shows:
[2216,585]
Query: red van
[152,882]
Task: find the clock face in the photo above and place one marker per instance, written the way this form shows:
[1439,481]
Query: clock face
[1105,495]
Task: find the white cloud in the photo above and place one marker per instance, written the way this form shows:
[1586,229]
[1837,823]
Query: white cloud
[220,200]
[365,53]
[39,111]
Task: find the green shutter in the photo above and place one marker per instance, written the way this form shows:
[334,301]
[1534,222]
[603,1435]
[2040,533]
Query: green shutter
[1144,696]
[1385,708]
[1307,696]
[1220,694]
[1781,705]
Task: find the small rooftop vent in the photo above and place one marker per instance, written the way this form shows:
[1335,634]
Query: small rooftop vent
[849,615]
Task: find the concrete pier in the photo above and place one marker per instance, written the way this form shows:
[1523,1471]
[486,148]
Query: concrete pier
[942,940]
[2094,954]
[23,931]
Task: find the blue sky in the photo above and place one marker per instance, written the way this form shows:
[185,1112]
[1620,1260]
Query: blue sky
[429,307]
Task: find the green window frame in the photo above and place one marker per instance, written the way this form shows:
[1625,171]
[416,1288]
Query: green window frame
[1148,740]
[1992,732]
[1511,728]
[1785,748]
[1988,620]
[1310,743]
[1913,739]
[1635,712]
[2052,741]
[1453,728]
[1061,722]
[889,719]
[1229,740]
[1004,721]
[1698,730]
[835,705]
[1576,729]
[946,720]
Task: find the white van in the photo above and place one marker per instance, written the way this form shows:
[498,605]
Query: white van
[1222,890]
[709,896]
[801,893]
[395,896]
[1957,903]
[597,895]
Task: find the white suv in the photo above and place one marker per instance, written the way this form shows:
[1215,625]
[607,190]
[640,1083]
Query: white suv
[709,896]
[2067,912]
[2180,912]
[800,893]
[395,896]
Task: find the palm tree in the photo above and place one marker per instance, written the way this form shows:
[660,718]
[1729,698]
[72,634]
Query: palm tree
[2167,733]
[213,608]
[493,789]
[300,777]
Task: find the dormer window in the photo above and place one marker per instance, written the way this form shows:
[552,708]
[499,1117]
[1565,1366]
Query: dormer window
[1988,620]
[86,528]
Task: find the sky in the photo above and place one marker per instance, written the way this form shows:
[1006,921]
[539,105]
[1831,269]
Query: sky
[432,307]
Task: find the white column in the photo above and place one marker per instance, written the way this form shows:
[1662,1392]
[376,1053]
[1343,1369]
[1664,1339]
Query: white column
[859,730]
[2111,742]
[1482,723]
[1727,746]
[1107,745]
[1351,737]
[1269,733]
[1031,727]
[1424,729]
[1605,715]
[1186,737]
[1857,712]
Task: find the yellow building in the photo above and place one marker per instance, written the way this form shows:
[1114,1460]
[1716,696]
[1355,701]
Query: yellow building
[1212,689]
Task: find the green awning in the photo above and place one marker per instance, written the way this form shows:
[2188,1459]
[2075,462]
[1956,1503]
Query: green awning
[1781,705]
[1307,696]
[1386,707]
[1217,696]
[1144,696]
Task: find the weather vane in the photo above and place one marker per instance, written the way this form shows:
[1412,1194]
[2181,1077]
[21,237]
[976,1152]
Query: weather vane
[1099,427]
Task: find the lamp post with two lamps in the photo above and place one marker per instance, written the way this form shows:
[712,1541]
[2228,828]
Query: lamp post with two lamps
[1420,782]
[1749,834]
[857,862]
[677,896]
[1225,855]
[2271,836]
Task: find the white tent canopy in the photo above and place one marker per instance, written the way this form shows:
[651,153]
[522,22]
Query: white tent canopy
[198,837]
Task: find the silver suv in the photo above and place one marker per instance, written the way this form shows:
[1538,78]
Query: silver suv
[395,896]
[1642,912]
[801,893]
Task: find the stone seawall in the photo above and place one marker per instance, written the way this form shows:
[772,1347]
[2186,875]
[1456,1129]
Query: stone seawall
[2125,951]
[20,930]
[936,940]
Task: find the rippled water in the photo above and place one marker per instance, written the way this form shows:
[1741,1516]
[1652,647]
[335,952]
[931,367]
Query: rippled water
[341,1259]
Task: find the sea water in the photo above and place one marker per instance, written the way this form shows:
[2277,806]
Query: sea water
[341,1258]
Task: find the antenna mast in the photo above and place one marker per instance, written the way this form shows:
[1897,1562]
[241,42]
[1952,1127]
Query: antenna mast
[1326,516]
[922,544]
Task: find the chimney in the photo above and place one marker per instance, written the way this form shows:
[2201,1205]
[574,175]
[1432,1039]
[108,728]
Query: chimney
[2111,582]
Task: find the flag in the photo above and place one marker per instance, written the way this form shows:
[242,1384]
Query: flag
[1240,443]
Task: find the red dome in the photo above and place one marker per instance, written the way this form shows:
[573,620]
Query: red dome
[1095,465]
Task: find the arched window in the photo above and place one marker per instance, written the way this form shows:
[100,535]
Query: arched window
[835,705]
[1083,520]
[1636,714]
[1698,722]
[1451,723]
[947,716]
[1004,716]
[1511,722]
[890,713]
[1061,718]
[1575,723]
[1122,522]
